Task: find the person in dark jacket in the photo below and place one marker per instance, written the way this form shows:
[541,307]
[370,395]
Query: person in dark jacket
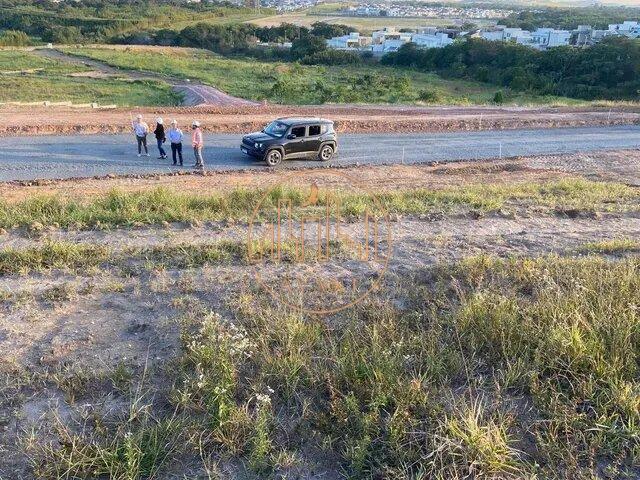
[160,137]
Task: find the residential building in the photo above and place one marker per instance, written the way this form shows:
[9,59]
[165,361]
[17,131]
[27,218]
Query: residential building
[388,46]
[628,29]
[544,38]
[390,33]
[352,41]
[504,34]
[437,40]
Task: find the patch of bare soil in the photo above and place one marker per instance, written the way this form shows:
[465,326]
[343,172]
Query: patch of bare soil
[93,74]
[238,117]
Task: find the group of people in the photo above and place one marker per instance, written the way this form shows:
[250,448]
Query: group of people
[175,137]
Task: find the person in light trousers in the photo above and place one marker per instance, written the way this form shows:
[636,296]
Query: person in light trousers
[141,129]
[198,143]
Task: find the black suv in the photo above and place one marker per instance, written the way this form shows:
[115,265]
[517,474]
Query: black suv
[286,138]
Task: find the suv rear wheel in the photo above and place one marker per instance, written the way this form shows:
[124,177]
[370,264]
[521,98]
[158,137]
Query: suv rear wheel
[273,157]
[326,152]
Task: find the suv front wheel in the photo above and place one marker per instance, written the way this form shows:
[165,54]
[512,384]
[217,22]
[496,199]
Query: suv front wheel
[273,157]
[326,152]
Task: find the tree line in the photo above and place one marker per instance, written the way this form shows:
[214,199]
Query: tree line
[608,70]
[308,45]
[100,21]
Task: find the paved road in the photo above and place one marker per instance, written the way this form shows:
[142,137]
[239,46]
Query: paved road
[28,158]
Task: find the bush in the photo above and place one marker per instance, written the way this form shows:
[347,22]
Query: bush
[14,38]
[429,95]
[332,57]
[498,97]
[307,46]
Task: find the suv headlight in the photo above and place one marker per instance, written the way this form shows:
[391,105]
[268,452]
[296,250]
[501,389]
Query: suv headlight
[258,146]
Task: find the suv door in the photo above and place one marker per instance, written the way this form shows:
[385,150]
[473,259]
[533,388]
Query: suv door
[296,145]
[314,138]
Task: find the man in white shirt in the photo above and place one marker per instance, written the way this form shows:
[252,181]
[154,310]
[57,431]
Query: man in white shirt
[175,137]
[141,129]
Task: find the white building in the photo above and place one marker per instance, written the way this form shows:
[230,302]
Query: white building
[544,38]
[352,41]
[388,46]
[541,39]
[628,29]
[390,33]
[504,34]
[425,40]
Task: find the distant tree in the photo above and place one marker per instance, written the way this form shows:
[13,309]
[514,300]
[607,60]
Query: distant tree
[307,46]
[330,30]
[65,35]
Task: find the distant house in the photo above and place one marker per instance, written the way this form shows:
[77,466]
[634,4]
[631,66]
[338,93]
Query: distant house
[388,46]
[390,33]
[352,41]
[540,39]
[628,29]
[504,34]
[586,35]
[544,38]
[436,40]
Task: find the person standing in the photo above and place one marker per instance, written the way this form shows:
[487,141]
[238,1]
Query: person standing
[160,137]
[175,137]
[141,129]
[197,143]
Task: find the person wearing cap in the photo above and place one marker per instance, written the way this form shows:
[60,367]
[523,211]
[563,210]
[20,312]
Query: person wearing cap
[197,143]
[141,129]
[160,137]
[175,137]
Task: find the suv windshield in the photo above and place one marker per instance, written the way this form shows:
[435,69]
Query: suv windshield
[276,129]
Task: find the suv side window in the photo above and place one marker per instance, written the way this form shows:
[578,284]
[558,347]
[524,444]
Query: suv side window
[314,130]
[298,131]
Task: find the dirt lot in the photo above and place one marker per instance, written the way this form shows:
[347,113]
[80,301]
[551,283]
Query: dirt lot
[350,118]
[79,341]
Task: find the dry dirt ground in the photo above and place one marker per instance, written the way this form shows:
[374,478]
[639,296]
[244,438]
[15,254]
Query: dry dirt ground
[349,118]
[64,333]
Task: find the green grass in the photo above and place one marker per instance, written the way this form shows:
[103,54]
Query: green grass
[517,368]
[612,247]
[301,84]
[17,60]
[32,78]
[160,205]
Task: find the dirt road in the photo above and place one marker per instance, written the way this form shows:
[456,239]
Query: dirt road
[348,118]
[88,156]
